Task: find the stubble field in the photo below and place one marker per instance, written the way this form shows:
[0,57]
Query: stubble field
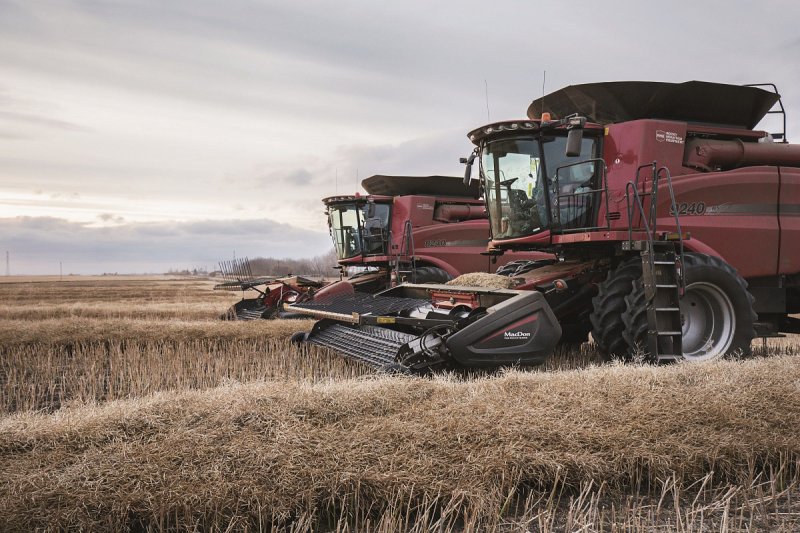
[125,405]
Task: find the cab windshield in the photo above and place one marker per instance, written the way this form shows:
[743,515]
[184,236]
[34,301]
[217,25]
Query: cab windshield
[519,200]
[359,229]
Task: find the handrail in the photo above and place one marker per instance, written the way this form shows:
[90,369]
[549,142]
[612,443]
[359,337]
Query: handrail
[648,221]
[674,210]
[406,245]
[602,190]
[634,200]
[631,186]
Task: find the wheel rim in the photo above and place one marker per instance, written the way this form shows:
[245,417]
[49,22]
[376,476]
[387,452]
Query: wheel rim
[708,322]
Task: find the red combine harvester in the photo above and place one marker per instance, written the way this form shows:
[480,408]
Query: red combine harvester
[422,229]
[676,225]
[273,291]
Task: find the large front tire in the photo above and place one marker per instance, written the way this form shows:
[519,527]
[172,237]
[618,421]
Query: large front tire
[717,313]
[608,306]
[432,274]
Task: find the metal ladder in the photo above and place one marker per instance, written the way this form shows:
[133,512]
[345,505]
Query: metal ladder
[662,287]
[662,278]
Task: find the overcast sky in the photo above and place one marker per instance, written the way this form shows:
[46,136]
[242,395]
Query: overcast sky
[142,135]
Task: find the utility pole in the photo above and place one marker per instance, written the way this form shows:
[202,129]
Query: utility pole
[8,265]
[60,271]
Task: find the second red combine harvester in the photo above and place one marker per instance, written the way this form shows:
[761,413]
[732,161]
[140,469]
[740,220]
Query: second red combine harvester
[676,226]
[419,229]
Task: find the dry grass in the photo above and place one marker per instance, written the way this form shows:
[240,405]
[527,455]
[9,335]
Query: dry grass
[45,378]
[274,451]
[75,331]
[178,421]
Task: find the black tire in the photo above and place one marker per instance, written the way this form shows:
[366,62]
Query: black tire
[431,274]
[608,306]
[713,289]
[575,333]
[299,338]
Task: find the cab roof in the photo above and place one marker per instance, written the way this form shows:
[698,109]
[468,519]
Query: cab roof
[449,186]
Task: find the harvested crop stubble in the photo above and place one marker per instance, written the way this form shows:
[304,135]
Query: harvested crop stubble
[113,297]
[76,330]
[482,279]
[210,310]
[281,449]
[44,377]
[50,363]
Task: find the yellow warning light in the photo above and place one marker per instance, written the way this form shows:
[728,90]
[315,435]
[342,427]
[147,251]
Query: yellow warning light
[545,117]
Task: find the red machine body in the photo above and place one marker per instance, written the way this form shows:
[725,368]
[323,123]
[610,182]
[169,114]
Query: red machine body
[675,223]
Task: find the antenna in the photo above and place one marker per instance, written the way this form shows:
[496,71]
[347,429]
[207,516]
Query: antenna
[544,79]
[486,93]
[356,179]
[337,181]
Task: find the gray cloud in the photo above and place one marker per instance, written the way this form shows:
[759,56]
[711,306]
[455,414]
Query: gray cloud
[38,244]
[36,120]
[432,154]
[436,153]
[13,136]
[192,109]
[293,177]
[110,217]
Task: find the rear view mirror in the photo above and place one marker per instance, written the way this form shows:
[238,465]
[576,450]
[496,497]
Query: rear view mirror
[574,141]
[468,170]
[575,126]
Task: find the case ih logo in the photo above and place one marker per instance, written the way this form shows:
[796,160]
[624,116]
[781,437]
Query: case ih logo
[668,136]
[516,335]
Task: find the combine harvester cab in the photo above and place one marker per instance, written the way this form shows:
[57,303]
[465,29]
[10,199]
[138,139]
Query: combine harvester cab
[674,222]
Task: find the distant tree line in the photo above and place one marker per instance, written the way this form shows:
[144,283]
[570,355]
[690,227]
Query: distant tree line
[321,265]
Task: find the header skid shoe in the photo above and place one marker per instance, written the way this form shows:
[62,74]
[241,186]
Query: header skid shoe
[427,327]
